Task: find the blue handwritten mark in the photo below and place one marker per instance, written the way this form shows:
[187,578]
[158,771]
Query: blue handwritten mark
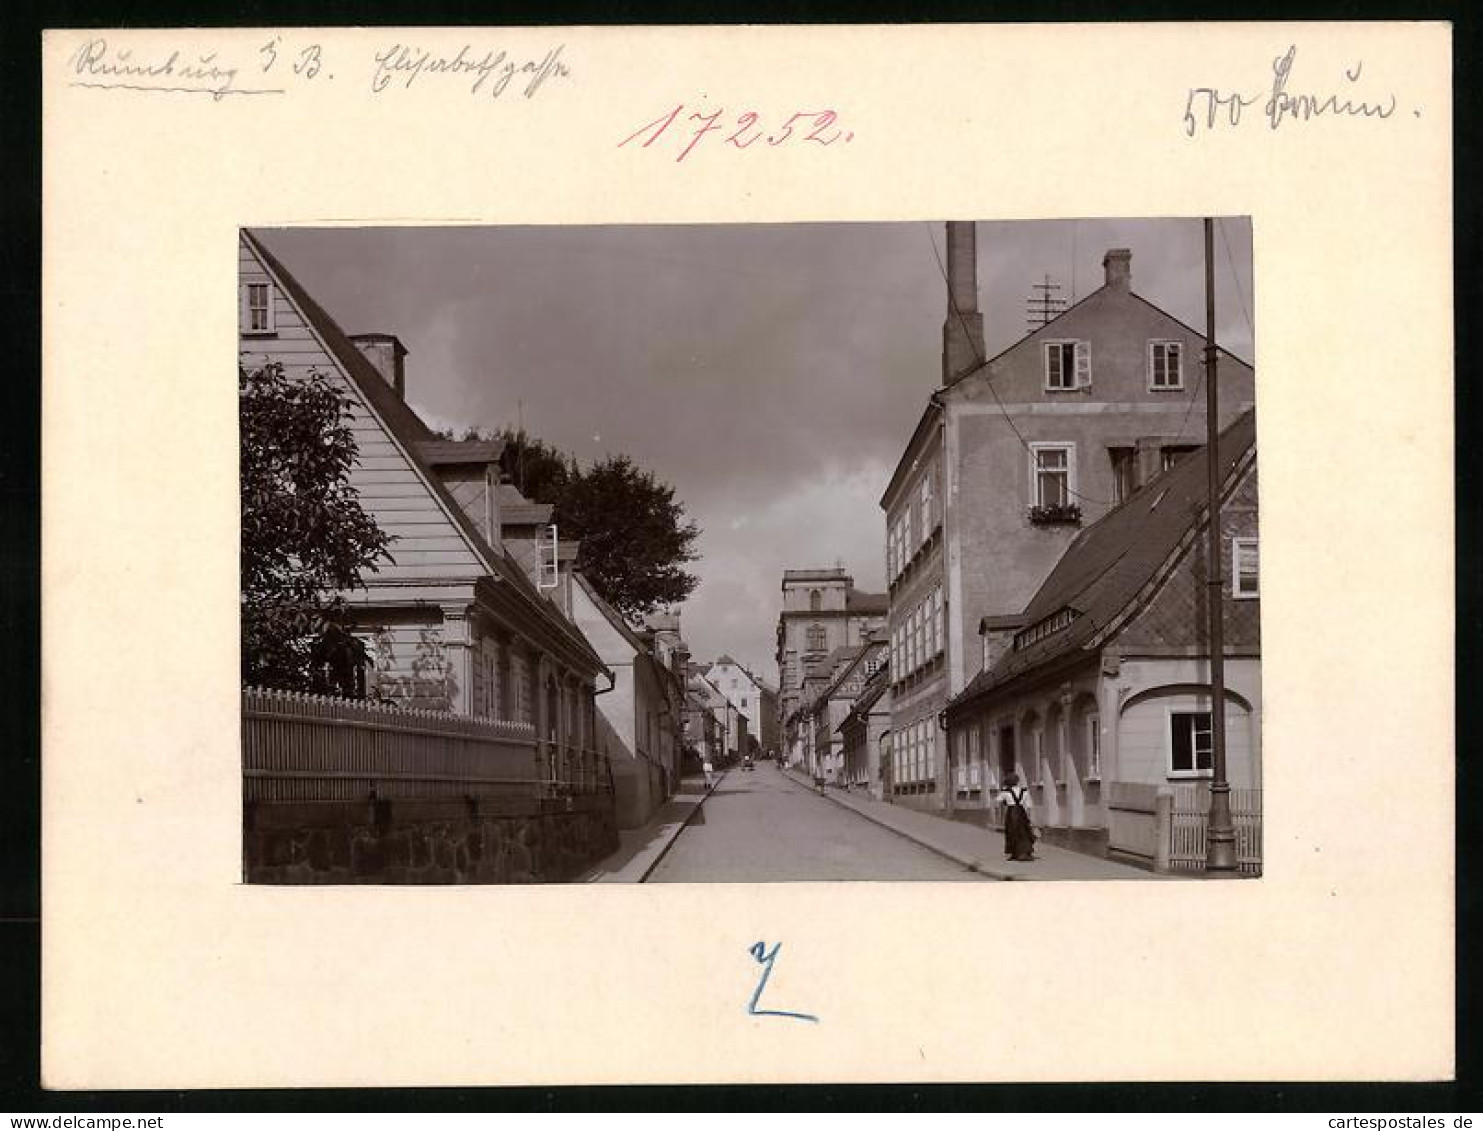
[766,958]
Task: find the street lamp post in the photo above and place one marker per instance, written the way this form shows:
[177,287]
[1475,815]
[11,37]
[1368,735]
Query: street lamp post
[1220,834]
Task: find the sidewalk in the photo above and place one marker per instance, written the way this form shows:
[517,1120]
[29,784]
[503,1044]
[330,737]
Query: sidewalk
[976,848]
[640,850]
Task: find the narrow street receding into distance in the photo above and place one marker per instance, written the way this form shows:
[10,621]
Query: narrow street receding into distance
[761,826]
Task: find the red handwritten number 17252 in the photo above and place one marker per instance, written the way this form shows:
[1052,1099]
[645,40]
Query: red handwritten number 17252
[817,126]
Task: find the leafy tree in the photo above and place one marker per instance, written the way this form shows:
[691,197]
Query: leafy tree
[635,539]
[305,538]
[634,536]
[540,471]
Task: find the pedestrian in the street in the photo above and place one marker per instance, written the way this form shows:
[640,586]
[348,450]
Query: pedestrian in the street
[709,773]
[1019,832]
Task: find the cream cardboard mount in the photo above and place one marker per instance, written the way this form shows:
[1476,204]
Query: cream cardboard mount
[162,970]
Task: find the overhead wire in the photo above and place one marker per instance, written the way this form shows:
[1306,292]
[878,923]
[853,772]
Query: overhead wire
[988,379]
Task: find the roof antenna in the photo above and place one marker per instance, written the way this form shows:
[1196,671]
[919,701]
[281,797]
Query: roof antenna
[1045,307]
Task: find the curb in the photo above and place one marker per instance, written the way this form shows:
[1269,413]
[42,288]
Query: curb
[973,865]
[685,824]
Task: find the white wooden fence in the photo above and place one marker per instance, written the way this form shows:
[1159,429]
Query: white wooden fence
[317,748]
[1190,820]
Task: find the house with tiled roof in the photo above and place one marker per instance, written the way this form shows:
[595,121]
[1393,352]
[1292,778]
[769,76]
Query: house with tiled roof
[832,687]
[754,699]
[453,621]
[1102,680]
[1013,455]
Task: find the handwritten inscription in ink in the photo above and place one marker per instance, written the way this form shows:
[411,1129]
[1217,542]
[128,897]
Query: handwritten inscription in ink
[1208,107]
[765,958]
[742,132]
[488,72]
[281,63]
[100,65]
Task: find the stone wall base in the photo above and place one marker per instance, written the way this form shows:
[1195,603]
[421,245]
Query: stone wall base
[487,841]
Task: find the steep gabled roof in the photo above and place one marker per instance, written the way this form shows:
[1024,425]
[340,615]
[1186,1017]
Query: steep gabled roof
[449,453]
[516,510]
[1111,564]
[856,656]
[411,434]
[859,601]
[612,615]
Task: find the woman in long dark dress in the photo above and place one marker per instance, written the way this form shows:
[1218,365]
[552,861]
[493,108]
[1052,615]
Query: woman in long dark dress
[1019,834]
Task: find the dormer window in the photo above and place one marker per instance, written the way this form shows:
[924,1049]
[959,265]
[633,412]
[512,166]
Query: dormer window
[257,309]
[1068,366]
[1244,584]
[1165,366]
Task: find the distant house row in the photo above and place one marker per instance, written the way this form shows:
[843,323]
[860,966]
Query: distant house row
[1046,572]
[480,611]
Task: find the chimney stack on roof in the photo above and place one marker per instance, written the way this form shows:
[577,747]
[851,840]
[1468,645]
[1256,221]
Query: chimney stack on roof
[385,352]
[1117,264]
[963,329]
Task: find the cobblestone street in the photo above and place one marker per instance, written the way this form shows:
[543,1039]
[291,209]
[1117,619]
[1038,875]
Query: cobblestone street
[762,826]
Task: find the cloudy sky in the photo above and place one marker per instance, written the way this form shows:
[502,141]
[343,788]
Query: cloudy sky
[771,373]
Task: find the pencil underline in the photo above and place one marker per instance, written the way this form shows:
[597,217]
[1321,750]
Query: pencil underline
[172,89]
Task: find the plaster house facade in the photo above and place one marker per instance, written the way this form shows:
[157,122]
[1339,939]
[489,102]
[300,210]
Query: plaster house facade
[865,730]
[453,622]
[751,696]
[702,730]
[822,611]
[715,715]
[640,718]
[1104,677]
[1011,458]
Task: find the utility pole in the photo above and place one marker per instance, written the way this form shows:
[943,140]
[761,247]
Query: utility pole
[1220,833]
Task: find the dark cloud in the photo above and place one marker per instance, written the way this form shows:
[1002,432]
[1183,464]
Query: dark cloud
[772,373]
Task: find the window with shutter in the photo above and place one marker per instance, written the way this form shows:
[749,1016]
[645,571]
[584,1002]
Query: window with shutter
[1083,365]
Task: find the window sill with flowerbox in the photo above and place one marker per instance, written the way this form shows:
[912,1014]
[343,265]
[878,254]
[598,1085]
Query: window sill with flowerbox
[1054,514]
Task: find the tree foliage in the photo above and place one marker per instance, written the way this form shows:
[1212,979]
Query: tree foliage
[635,539]
[305,538]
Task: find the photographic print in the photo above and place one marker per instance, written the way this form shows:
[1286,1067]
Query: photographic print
[750,553]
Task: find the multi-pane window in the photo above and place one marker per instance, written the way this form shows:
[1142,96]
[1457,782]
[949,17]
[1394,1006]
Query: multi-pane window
[1068,365]
[816,638]
[257,309]
[1051,472]
[1244,583]
[1165,370]
[1191,743]
[926,506]
[940,642]
[1124,472]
